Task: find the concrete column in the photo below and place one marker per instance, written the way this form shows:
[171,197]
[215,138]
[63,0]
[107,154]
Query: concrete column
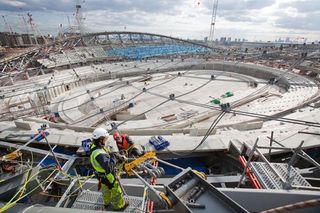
[51,93]
[48,95]
[59,90]
[55,91]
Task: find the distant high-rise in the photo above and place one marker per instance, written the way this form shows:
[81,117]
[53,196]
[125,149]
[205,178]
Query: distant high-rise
[287,40]
[223,40]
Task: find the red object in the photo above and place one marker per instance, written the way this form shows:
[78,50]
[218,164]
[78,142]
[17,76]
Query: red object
[252,178]
[153,182]
[121,140]
[51,118]
[59,167]
[7,167]
[99,185]
[116,135]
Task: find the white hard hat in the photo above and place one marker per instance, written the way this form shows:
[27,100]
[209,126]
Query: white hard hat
[99,132]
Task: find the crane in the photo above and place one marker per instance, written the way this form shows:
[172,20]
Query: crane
[34,29]
[7,24]
[79,17]
[213,21]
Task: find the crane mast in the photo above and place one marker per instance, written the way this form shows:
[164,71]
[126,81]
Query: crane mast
[213,21]
[7,24]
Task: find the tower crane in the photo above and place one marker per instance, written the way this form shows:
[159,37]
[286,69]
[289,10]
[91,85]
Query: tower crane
[7,24]
[213,21]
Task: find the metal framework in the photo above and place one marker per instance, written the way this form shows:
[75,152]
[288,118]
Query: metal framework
[107,40]
[278,175]
[213,20]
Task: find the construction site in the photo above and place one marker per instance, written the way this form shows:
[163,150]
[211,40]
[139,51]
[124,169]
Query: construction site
[217,128]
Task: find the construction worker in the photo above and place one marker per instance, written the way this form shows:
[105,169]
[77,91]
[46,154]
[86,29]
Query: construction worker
[104,164]
[125,144]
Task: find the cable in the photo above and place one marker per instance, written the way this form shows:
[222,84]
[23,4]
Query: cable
[132,118]
[294,206]
[121,69]
[287,120]
[78,121]
[209,131]
[67,109]
[267,117]
[56,102]
[12,203]
[111,108]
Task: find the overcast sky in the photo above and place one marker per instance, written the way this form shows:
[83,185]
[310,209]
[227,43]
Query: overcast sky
[250,19]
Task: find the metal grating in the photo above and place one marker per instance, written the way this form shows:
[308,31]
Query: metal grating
[269,180]
[92,200]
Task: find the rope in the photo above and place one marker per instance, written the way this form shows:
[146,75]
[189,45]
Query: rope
[210,129]
[294,206]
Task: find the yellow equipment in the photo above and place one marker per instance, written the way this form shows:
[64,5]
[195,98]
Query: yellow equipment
[128,167]
[11,156]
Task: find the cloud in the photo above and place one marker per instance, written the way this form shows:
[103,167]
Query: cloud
[299,15]
[13,3]
[244,5]
[259,19]
[310,22]
[303,6]
[239,10]
[109,5]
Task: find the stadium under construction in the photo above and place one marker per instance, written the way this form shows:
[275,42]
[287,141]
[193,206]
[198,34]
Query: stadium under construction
[222,128]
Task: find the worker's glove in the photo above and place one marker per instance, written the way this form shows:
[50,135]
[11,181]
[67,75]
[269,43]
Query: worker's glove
[111,180]
[122,152]
[121,158]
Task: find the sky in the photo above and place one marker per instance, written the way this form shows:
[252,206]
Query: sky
[253,20]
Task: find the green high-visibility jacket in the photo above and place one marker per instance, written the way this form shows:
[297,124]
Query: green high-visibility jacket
[102,162]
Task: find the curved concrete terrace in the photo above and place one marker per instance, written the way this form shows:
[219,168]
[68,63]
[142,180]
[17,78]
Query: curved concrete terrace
[106,79]
[290,92]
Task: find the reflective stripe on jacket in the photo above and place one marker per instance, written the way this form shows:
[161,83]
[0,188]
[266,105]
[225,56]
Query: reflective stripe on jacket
[96,165]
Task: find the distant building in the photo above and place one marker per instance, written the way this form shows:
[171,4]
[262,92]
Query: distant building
[223,40]
[280,40]
[287,40]
[20,40]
